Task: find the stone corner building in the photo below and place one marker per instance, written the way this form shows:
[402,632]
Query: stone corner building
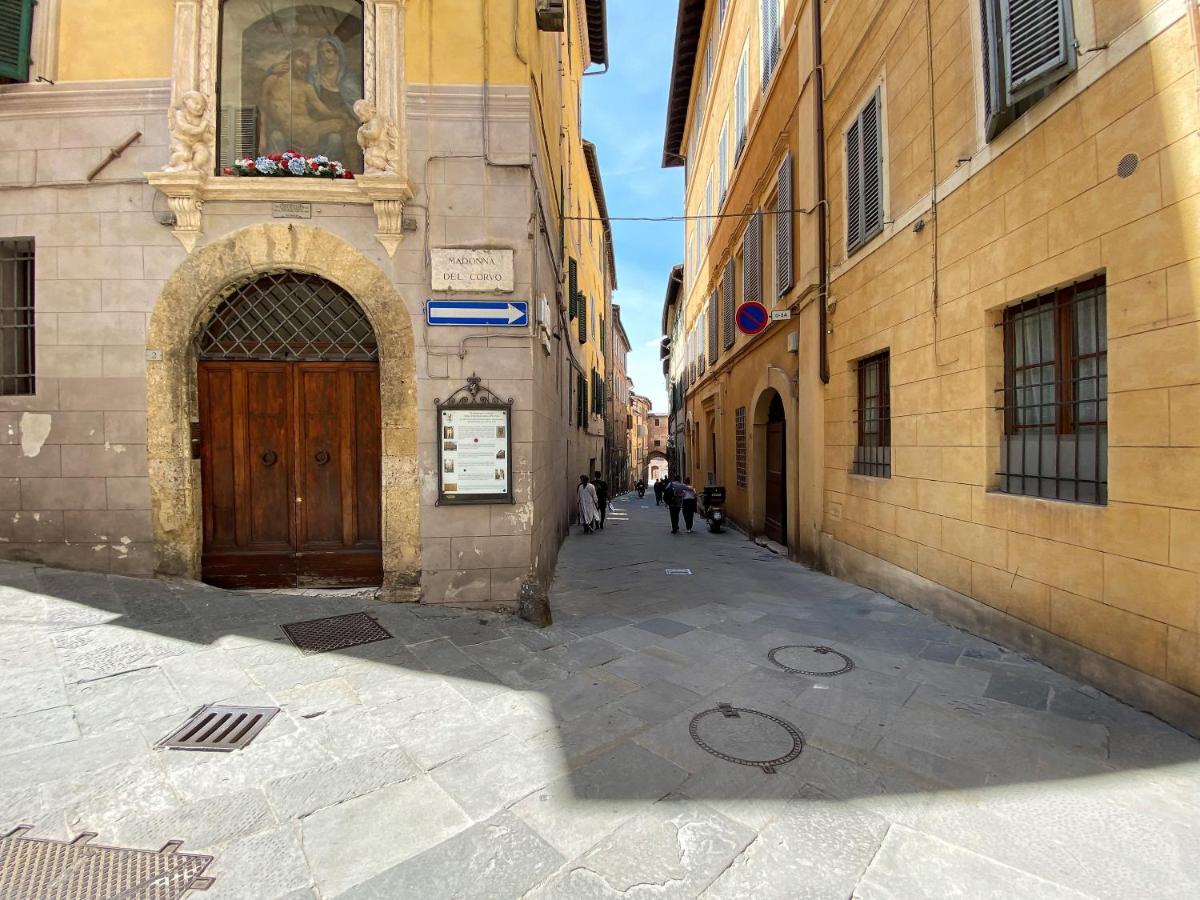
[211,373]
[979,224]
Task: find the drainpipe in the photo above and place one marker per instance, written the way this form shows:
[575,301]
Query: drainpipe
[822,199]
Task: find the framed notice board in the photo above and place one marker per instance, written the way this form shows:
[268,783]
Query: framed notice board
[474,430]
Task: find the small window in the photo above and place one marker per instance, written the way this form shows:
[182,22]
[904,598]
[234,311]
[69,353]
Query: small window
[864,176]
[658,443]
[16,317]
[1056,396]
[873,452]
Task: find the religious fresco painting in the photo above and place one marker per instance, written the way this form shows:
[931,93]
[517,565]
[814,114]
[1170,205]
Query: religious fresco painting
[290,75]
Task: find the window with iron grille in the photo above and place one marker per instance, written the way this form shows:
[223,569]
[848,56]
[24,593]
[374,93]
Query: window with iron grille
[873,451]
[1056,395]
[16,317]
[288,316]
[740,444]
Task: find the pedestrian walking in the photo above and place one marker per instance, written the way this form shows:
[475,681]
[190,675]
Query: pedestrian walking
[673,500]
[687,501]
[659,486]
[589,515]
[601,487]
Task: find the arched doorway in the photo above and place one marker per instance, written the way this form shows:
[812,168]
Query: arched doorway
[185,307]
[770,427]
[656,467]
[288,397]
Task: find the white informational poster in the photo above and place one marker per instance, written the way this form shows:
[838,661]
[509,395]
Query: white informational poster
[474,454]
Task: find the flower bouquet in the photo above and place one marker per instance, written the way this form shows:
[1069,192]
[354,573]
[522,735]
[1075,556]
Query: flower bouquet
[289,165]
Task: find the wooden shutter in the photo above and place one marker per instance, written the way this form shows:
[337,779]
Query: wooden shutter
[572,287]
[581,307]
[239,133]
[784,270]
[752,259]
[996,113]
[854,227]
[714,307]
[727,309]
[16,25]
[764,34]
[1038,45]
[872,163]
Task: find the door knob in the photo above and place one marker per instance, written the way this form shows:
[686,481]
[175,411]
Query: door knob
[270,458]
[322,457]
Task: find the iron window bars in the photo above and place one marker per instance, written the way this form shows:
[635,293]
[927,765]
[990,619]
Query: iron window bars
[289,316]
[740,442]
[873,452]
[1055,395]
[16,317]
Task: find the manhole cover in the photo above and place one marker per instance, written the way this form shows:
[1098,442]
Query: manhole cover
[219,728]
[747,737]
[335,633]
[797,658]
[37,869]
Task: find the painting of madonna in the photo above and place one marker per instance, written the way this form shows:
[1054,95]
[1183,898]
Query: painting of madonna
[290,75]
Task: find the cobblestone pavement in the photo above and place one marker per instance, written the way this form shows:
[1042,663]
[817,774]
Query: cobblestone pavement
[476,756]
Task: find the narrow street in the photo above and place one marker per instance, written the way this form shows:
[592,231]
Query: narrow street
[476,756]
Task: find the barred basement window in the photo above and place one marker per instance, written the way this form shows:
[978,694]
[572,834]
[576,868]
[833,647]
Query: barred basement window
[873,452]
[1056,395]
[740,444]
[16,317]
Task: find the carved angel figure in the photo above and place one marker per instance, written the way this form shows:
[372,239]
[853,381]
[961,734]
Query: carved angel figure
[191,135]
[379,139]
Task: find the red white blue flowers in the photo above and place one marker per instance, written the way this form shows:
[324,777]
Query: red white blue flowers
[289,165]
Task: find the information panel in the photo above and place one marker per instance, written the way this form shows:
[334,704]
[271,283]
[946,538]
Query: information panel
[476,449]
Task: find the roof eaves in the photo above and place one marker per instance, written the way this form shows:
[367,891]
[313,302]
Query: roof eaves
[593,164]
[683,65]
[674,283]
[597,25]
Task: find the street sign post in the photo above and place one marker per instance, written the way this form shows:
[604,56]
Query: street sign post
[752,317]
[493,313]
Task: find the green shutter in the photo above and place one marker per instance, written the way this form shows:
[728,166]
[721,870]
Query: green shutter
[572,286]
[16,23]
[583,318]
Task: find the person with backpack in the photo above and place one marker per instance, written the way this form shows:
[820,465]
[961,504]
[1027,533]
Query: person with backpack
[673,495]
[685,496]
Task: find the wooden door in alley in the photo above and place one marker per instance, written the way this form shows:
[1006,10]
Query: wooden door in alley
[290,473]
[775,508]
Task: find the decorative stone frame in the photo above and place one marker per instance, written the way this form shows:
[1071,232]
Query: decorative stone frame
[188,300]
[194,68]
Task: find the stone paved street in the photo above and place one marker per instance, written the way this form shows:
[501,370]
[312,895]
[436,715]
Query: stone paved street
[477,756]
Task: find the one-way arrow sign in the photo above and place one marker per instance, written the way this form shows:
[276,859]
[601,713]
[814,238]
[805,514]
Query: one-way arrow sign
[498,313]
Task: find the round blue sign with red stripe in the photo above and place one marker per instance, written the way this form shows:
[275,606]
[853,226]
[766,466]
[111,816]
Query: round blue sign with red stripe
[752,317]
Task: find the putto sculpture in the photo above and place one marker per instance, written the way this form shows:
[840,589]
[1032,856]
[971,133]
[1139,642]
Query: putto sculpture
[379,139]
[191,135]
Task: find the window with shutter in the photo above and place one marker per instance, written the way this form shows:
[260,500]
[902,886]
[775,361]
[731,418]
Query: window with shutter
[582,309]
[16,26]
[1038,45]
[572,287]
[741,102]
[723,162]
[727,309]
[752,260]
[784,270]
[768,22]
[713,341]
[996,114]
[864,176]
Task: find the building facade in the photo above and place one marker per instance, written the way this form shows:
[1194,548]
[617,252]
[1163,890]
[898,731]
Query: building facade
[225,362]
[619,415]
[640,409]
[994,388]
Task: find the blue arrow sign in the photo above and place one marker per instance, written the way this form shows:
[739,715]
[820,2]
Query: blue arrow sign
[498,313]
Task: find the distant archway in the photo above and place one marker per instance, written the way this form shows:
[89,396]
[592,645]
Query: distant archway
[656,467]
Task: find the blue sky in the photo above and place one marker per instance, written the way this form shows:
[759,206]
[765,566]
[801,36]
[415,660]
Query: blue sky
[624,115]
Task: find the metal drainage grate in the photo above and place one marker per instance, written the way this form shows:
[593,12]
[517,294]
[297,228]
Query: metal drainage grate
[847,662]
[220,728]
[726,711]
[39,869]
[1128,165]
[678,571]
[335,633]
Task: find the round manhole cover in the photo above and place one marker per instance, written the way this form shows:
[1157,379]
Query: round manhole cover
[810,659]
[747,737]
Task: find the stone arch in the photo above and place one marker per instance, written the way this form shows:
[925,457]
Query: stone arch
[774,381]
[188,299]
[654,456]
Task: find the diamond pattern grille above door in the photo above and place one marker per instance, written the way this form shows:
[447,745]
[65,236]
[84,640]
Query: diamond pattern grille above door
[288,316]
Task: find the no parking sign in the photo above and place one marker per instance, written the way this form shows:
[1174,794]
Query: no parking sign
[752,317]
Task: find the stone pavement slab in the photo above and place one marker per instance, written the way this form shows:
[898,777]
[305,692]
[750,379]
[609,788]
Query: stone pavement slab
[476,756]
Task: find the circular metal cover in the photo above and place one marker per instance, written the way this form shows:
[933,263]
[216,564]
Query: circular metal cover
[847,662]
[747,731]
[1128,165]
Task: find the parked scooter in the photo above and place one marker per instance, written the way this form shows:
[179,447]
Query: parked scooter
[714,506]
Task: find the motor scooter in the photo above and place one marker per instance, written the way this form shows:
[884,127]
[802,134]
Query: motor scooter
[641,489]
[714,506]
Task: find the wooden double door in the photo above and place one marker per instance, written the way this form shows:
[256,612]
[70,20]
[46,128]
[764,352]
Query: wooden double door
[290,469]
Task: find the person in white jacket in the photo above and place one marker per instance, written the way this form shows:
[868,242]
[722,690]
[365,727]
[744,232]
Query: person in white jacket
[589,505]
